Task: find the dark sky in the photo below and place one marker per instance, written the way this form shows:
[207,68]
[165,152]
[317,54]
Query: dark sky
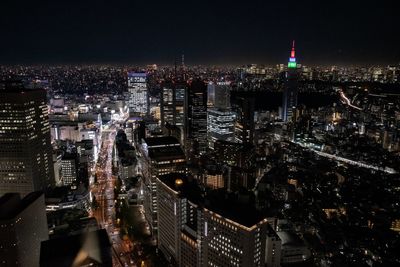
[213,32]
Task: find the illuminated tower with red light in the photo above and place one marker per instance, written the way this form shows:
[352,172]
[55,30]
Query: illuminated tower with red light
[292,60]
[290,90]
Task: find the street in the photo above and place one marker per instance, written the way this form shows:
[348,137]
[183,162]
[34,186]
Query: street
[103,190]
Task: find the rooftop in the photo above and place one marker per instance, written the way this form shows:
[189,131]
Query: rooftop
[229,206]
[168,152]
[161,141]
[184,185]
[219,201]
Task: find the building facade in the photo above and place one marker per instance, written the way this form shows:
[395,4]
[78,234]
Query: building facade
[138,94]
[26,163]
[244,126]
[220,126]
[192,234]
[196,126]
[161,155]
[173,103]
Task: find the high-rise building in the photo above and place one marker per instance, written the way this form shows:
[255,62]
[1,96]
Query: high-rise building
[23,226]
[290,90]
[222,98]
[69,168]
[180,95]
[26,163]
[161,155]
[211,230]
[244,107]
[138,94]
[172,103]
[196,126]
[220,125]
[167,103]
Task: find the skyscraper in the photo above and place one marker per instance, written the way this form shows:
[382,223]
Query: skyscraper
[244,127]
[26,163]
[222,95]
[167,103]
[161,155]
[290,90]
[220,118]
[172,103]
[196,127]
[220,126]
[207,230]
[138,95]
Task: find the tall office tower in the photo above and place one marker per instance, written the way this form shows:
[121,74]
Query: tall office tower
[220,126]
[172,103]
[138,94]
[290,90]
[222,98]
[161,155]
[207,230]
[26,162]
[180,95]
[196,126]
[167,103]
[23,225]
[220,118]
[244,127]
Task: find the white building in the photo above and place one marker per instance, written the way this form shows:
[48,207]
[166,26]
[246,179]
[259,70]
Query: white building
[138,95]
[220,126]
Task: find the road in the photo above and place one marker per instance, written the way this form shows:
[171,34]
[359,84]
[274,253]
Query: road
[348,161]
[103,190]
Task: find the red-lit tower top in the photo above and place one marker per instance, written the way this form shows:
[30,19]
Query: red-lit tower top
[293,53]
[292,60]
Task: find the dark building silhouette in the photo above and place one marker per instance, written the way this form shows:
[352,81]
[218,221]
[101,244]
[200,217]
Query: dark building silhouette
[196,126]
[23,225]
[87,249]
[244,127]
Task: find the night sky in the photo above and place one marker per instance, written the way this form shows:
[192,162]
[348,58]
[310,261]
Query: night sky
[209,32]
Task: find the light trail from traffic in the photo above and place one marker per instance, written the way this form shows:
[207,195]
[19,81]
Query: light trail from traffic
[104,193]
[347,101]
[346,160]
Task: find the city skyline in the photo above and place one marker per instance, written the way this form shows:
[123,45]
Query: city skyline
[208,33]
[199,134]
